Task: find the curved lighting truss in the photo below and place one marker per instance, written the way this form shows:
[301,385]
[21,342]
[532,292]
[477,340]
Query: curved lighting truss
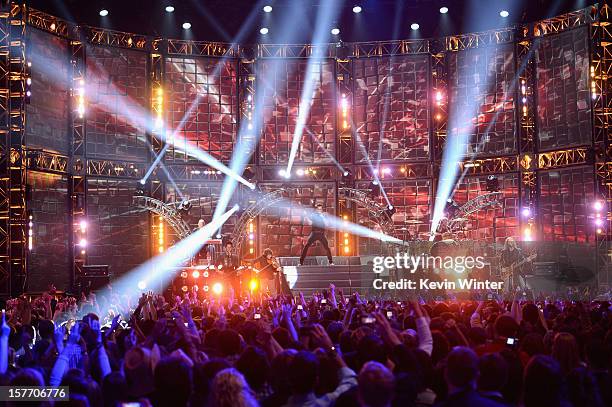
[472,206]
[168,212]
[376,211]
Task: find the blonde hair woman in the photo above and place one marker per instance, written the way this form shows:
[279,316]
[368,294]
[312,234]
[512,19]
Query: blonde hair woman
[230,389]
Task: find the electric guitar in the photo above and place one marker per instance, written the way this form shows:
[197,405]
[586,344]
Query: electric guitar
[507,271]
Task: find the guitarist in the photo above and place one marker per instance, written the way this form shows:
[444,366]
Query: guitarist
[511,256]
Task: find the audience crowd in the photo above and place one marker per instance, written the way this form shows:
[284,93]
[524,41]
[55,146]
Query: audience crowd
[327,350]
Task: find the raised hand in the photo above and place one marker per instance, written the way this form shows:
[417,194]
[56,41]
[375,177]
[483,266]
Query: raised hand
[75,334]
[319,334]
[58,335]
[95,327]
[5,329]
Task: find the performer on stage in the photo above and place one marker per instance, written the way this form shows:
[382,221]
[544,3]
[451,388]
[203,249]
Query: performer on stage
[512,262]
[317,220]
[206,254]
[271,274]
[227,265]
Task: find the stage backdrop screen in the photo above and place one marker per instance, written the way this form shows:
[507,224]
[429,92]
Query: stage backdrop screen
[564,104]
[201,107]
[118,233]
[49,260]
[282,83]
[391,108]
[117,103]
[482,90]
[47,124]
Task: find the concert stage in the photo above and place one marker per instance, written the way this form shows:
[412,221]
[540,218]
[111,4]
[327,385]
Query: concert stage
[122,146]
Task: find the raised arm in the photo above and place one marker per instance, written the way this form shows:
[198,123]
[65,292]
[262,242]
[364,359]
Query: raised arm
[5,331]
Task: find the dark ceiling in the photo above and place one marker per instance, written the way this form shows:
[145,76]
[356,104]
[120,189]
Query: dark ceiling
[222,20]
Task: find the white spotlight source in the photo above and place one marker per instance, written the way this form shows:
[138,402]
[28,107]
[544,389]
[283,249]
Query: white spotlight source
[282,173]
[346,173]
[142,285]
[267,9]
[170,9]
[300,172]
[186,26]
[103,12]
[504,13]
[414,26]
[357,9]
[443,10]
[263,30]
[335,31]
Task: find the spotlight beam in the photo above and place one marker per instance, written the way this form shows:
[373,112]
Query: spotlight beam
[332,222]
[158,272]
[325,16]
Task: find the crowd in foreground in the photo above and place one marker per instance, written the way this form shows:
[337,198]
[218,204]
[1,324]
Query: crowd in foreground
[327,350]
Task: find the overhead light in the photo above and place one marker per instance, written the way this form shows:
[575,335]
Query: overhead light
[186,26]
[357,9]
[335,31]
[170,9]
[504,13]
[267,9]
[414,26]
[443,10]
[263,30]
[103,12]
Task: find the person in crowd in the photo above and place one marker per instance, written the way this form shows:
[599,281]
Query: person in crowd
[195,349]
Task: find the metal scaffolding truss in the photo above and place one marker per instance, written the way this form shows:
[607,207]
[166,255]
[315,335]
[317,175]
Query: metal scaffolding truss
[562,158]
[40,160]
[480,39]
[49,23]
[103,36]
[250,213]
[563,22]
[110,168]
[202,48]
[168,212]
[386,48]
[376,211]
[491,165]
[472,206]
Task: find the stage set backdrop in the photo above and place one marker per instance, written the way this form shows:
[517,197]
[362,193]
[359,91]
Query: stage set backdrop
[79,105]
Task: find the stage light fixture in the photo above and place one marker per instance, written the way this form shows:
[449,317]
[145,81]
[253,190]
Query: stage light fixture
[443,10]
[83,243]
[335,31]
[492,183]
[263,30]
[169,9]
[103,12]
[195,274]
[346,174]
[357,9]
[186,26]
[598,205]
[267,9]
[299,172]
[142,285]
[217,288]
[414,26]
[253,285]
[451,208]
[599,222]
[374,189]
[504,13]
[184,274]
[526,212]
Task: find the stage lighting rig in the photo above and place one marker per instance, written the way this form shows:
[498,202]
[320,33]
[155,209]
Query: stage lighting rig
[492,183]
[184,207]
[390,211]
[374,189]
[451,208]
